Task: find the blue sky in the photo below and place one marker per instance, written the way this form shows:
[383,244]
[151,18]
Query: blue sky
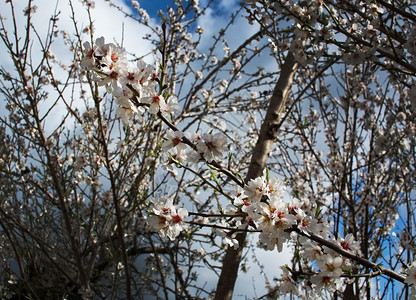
[152,6]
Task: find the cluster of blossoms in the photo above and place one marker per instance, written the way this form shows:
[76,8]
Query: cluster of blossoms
[166,218]
[209,146]
[368,25]
[133,87]
[331,265]
[261,202]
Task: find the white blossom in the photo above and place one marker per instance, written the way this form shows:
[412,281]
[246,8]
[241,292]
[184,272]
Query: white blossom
[212,146]
[166,219]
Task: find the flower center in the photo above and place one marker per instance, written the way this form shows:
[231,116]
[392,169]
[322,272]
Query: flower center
[177,219]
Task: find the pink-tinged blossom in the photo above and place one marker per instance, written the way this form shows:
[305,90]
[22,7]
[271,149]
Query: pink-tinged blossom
[275,215]
[110,81]
[93,53]
[131,77]
[276,188]
[166,219]
[171,106]
[194,137]
[212,146]
[375,10]
[288,284]
[266,218]
[126,109]
[312,251]
[256,188]
[192,156]
[273,240]
[243,202]
[114,56]
[158,222]
[173,139]
[112,66]
[174,155]
[303,220]
[126,114]
[146,76]
[283,220]
[325,280]
[157,103]
[102,47]
[329,263]
[163,206]
[88,61]
[320,228]
[348,243]
[177,223]
[228,235]
[146,72]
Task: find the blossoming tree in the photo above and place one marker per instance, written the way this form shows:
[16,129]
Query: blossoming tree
[158,167]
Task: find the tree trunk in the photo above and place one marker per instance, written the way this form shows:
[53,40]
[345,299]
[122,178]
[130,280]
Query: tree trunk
[268,132]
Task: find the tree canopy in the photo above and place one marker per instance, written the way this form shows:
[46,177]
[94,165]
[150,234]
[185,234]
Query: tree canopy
[158,171]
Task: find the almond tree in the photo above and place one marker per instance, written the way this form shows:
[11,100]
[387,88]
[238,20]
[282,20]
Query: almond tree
[138,189]
[348,131]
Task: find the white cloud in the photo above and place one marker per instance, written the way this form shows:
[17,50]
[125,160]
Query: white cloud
[229,4]
[235,35]
[108,22]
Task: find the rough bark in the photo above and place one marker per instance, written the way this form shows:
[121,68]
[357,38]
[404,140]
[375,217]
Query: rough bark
[261,152]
